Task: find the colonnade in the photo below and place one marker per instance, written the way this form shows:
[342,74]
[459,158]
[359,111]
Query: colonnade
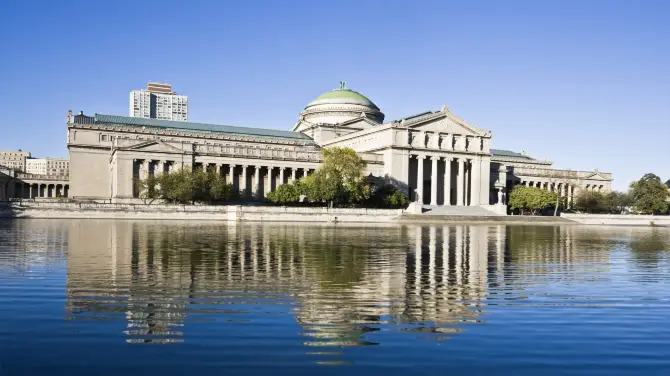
[21,189]
[564,190]
[453,180]
[255,180]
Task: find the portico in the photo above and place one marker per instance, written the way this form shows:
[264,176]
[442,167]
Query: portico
[444,180]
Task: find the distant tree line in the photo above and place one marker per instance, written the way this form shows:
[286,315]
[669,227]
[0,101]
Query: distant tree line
[646,196]
[339,182]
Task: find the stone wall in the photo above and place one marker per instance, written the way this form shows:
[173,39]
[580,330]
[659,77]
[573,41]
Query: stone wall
[195,212]
[619,219]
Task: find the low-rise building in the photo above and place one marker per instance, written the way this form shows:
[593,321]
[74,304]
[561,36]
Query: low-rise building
[48,166]
[14,159]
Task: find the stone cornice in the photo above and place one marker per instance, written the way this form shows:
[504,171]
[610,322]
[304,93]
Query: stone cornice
[550,173]
[497,158]
[430,151]
[190,134]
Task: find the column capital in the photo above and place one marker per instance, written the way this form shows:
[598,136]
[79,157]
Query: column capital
[420,157]
[258,167]
[282,168]
[435,158]
[448,159]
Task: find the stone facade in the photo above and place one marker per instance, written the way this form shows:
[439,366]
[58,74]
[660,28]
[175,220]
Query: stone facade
[436,157]
[19,185]
[521,169]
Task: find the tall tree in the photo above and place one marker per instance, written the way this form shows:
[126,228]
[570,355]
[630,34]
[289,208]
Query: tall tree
[650,195]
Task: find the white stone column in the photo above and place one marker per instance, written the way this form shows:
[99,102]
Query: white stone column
[243,184]
[419,178]
[293,171]
[476,182]
[281,175]
[459,182]
[144,169]
[466,190]
[433,181]
[571,192]
[257,182]
[270,169]
[447,181]
[231,175]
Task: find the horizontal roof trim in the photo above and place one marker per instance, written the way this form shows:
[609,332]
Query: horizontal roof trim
[203,127]
[509,153]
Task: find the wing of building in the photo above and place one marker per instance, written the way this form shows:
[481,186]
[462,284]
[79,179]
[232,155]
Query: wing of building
[435,157]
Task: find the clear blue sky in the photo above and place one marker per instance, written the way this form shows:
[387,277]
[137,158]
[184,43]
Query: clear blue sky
[583,83]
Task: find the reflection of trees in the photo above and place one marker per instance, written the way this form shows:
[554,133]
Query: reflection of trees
[650,247]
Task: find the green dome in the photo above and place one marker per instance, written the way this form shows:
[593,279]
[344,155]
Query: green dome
[343,96]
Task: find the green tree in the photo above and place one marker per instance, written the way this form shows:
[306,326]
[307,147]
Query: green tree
[388,196]
[148,189]
[531,199]
[201,185]
[623,200]
[590,202]
[615,202]
[339,180]
[650,195]
[323,186]
[285,194]
[176,186]
[218,189]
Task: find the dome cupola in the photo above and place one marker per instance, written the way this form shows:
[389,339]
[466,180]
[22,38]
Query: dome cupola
[340,105]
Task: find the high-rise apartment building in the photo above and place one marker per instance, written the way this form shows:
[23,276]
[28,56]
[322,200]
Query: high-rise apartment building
[14,159]
[48,166]
[158,101]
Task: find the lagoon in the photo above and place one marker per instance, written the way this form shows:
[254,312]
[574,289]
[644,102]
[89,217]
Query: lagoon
[112,297]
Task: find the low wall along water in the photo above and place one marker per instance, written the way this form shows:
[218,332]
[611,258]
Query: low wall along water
[619,219]
[195,212]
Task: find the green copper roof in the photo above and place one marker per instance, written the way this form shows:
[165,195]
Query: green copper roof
[509,153]
[343,95]
[202,127]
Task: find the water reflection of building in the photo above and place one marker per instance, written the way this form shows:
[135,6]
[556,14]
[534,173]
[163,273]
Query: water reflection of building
[341,283]
[26,244]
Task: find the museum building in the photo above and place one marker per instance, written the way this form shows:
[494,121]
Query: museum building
[435,157]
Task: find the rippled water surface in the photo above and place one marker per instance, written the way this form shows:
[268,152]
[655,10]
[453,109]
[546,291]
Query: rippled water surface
[136,298]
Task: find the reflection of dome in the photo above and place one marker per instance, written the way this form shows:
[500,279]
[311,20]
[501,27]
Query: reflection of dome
[340,105]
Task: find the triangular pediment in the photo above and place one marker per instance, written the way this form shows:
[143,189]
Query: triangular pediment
[155,146]
[360,123]
[595,176]
[442,122]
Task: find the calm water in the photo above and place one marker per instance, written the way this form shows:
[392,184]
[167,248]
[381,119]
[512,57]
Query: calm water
[136,298]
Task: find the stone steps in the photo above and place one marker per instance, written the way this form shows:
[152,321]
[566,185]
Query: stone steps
[469,211]
[503,219]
